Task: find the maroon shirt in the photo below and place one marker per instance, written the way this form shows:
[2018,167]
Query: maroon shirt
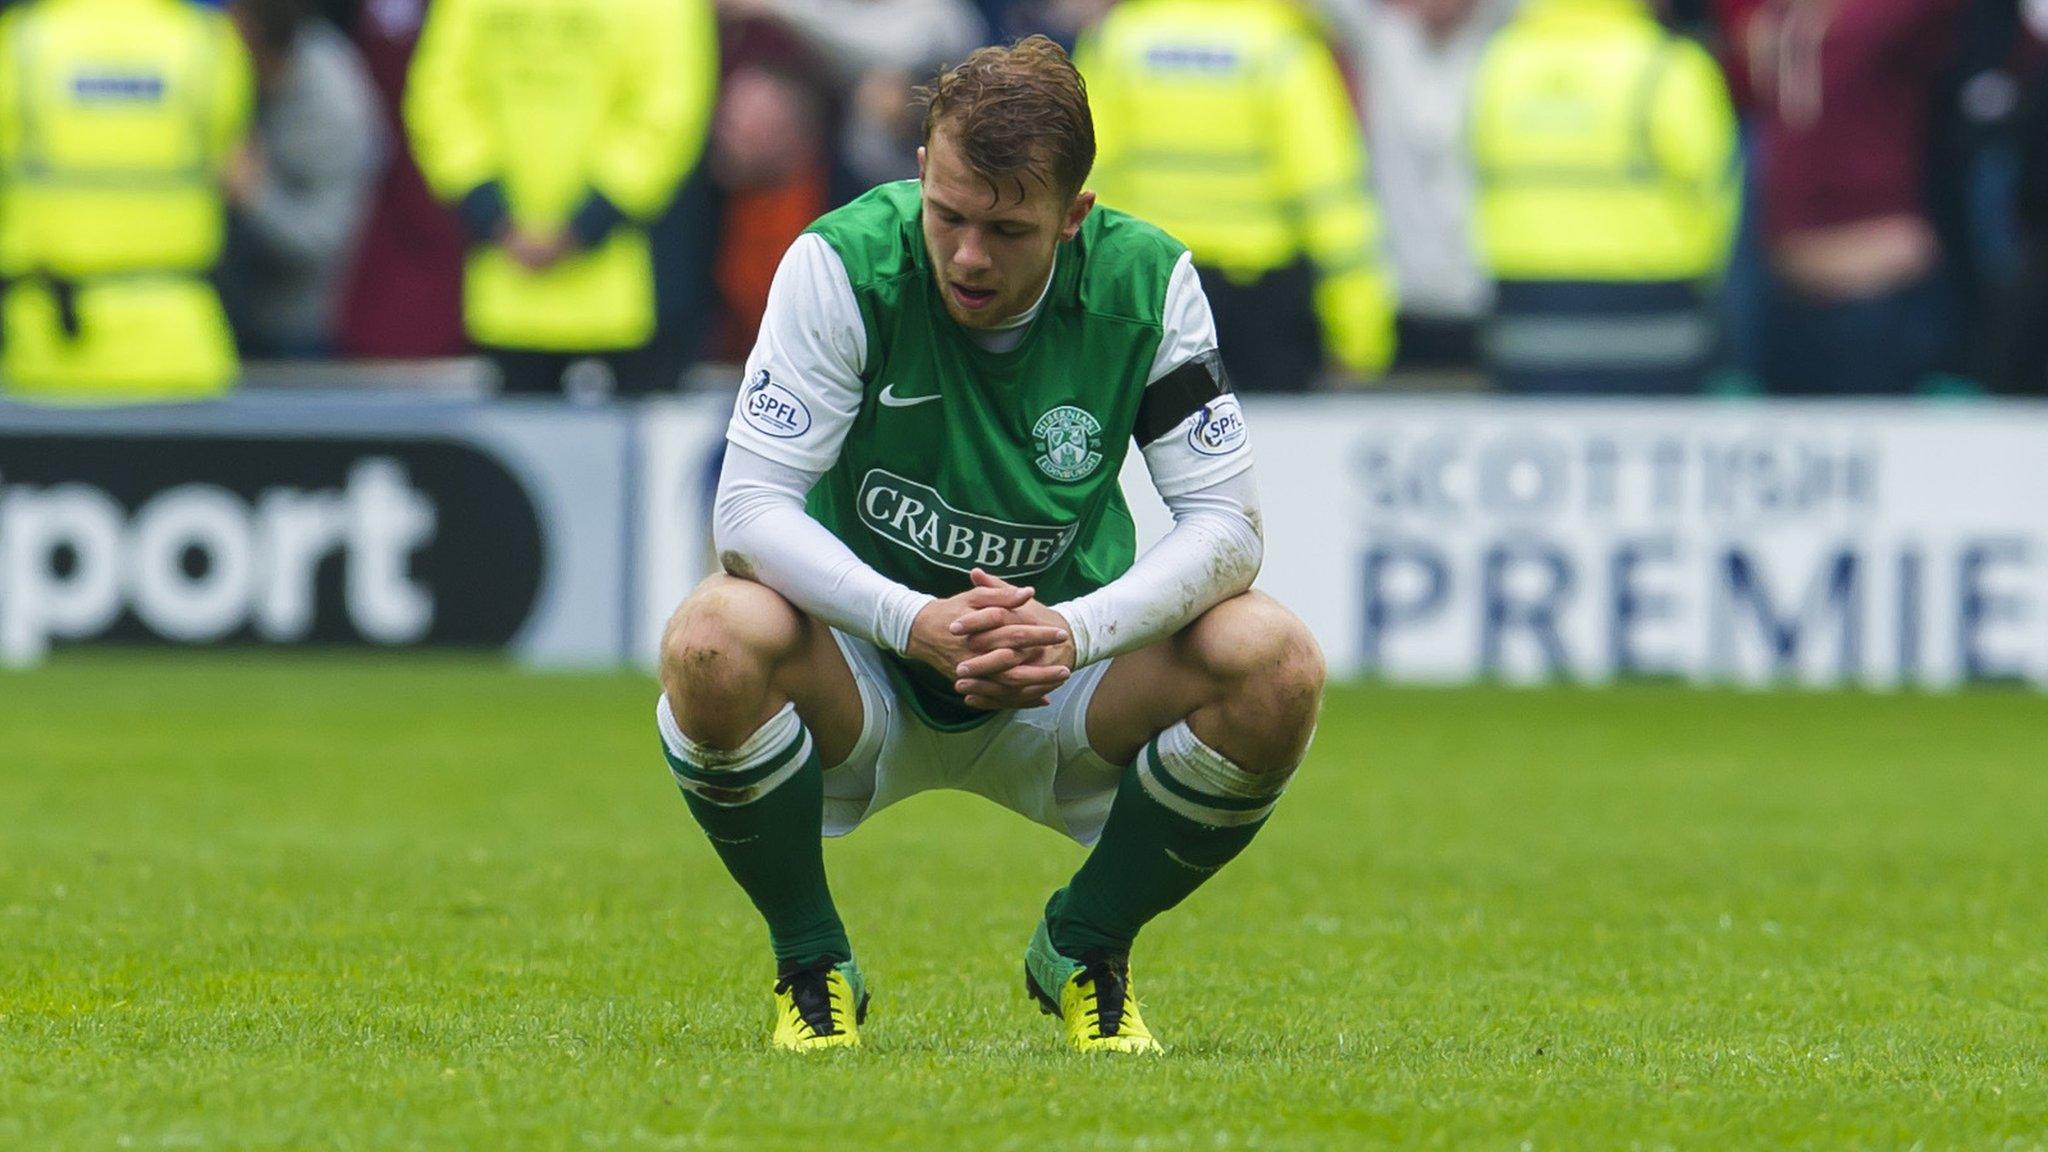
[403,298]
[1845,102]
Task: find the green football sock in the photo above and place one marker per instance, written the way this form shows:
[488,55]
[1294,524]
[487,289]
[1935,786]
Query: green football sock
[761,804]
[1181,812]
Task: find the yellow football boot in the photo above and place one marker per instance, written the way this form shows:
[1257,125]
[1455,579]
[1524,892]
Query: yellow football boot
[1095,998]
[818,1007]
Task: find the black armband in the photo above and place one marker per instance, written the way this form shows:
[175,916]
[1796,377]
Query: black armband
[1180,394]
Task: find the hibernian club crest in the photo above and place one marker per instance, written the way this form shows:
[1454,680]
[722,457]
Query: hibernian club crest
[1069,443]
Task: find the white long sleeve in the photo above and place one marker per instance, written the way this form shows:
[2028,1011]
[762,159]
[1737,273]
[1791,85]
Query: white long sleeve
[1202,468]
[1212,553]
[761,532]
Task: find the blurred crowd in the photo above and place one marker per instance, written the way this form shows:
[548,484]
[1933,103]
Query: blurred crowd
[1558,196]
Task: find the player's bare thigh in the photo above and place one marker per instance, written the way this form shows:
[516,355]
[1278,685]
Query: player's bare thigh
[735,652]
[1246,675]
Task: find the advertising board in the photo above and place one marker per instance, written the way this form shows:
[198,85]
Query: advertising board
[1827,543]
[272,522]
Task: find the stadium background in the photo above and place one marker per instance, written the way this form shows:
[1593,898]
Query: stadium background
[293,855]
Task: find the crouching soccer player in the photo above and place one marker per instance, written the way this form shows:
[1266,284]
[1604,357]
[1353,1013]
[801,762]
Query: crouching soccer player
[929,575]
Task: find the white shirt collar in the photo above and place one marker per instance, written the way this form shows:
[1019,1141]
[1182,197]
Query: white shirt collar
[1010,333]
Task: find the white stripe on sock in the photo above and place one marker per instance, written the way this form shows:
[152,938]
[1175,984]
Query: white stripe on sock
[1194,766]
[756,751]
[1204,769]
[734,797]
[768,739]
[1200,814]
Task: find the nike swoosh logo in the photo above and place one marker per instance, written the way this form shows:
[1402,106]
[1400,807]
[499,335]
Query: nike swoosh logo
[891,400]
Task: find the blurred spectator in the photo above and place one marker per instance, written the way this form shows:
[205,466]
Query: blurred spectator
[2022,343]
[1062,20]
[1226,123]
[801,74]
[1608,193]
[561,128]
[882,129]
[1417,60]
[1847,93]
[855,37]
[875,50]
[117,120]
[403,293]
[769,167]
[297,195]
[1981,145]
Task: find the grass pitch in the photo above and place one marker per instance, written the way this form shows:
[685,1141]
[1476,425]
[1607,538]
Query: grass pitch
[377,904]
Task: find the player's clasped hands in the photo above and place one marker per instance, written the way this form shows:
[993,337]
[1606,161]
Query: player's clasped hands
[1003,648]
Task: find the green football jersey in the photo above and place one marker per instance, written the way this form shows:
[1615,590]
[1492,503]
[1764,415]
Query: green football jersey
[958,457]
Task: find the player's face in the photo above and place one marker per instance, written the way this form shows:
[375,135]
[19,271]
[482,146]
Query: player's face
[991,248]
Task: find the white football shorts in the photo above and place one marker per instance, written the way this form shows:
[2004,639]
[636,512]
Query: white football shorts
[1034,761]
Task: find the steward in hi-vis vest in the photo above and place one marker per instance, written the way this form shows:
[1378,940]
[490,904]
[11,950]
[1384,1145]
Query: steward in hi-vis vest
[117,118]
[1608,192]
[1226,123]
[560,129]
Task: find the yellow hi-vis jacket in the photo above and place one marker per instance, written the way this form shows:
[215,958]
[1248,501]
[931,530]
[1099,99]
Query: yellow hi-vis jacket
[1226,123]
[116,120]
[1605,148]
[551,100]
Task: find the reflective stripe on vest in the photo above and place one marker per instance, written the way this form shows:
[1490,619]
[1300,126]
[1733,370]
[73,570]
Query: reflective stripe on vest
[33,163]
[1556,343]
[1543,326]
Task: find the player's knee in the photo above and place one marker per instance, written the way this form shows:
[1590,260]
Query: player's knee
[724,643]
[1253,635]
[1296,673]
[1253,648]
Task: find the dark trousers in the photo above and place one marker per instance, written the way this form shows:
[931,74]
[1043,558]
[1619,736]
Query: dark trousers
[1880,346]
[1433,343]
[2020,347]
[1267,330]
[1598,338]
[653,368]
